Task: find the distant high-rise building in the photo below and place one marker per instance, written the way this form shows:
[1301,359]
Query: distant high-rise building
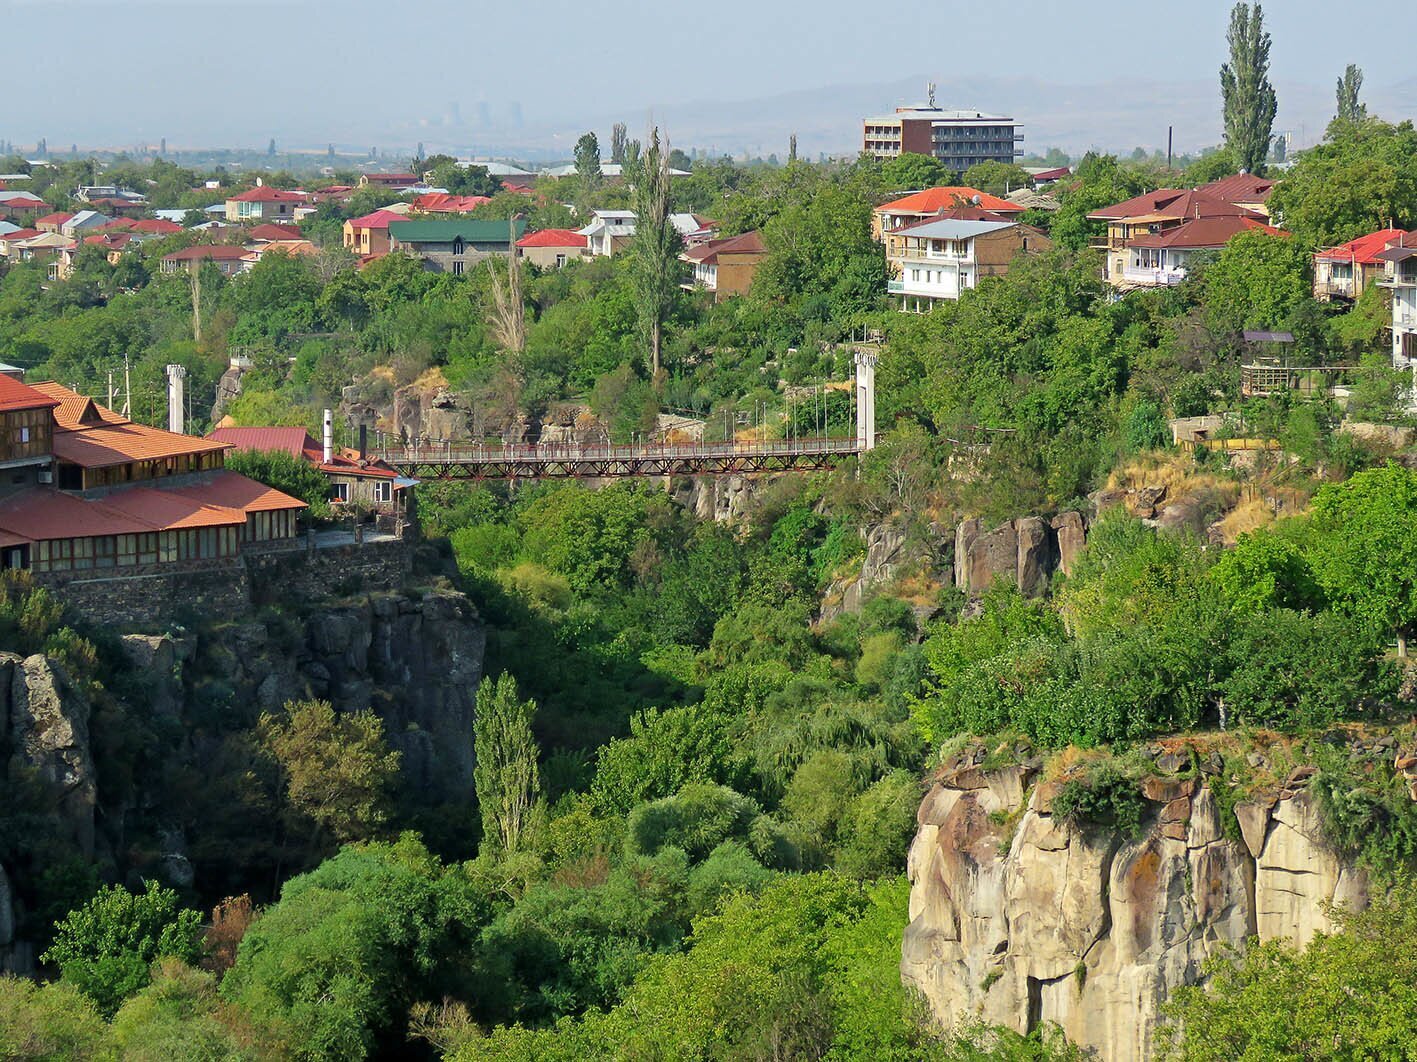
[958,138]
[162,146]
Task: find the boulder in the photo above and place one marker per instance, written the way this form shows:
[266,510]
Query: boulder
[1037,557]
[966,535]
[1070,533]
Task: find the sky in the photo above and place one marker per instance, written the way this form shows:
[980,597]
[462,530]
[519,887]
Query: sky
[525,77]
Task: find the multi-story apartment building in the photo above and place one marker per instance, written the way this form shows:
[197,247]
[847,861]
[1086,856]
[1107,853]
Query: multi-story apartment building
[959,139]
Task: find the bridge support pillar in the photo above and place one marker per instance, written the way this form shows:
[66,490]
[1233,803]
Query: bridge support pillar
[866,399]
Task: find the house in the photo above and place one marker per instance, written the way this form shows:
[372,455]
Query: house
[1159,259]
[452,246]
[271,231]
[552,248]
[1400,277]
[84,222]
[608,231]
[1243,189]
[49,247]
[1346,271]
[1043,176]
[355,478]
[394,182]
[225,257]
[726,267]
[10,241]
[155,227]
[21,206]
[90,490]
[369,235]
[263,203]
[93,193]
[920,206]
[1152,214]
[694,229]
[945,256]
[294,248]
[443,203]
[512,178]
[113,244]
[52,222]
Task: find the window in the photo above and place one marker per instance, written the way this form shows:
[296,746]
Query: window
[560,260]
[339,492]
[383,491]
[457,245]
[24,435]
[457,269]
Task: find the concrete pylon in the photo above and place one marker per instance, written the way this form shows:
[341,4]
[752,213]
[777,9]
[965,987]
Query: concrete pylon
[866,399]
[176,398]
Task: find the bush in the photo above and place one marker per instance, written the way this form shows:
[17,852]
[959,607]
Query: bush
[1106,798]
[697,819]
[48,1023]
[106,946]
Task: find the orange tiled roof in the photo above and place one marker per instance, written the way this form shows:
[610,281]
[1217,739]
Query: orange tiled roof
[17,395]
[170,511]
[120,444]
[933,200]
[39,515]
[75,411]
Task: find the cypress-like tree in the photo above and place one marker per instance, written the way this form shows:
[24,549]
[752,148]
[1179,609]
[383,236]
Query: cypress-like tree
[1349,85]
[1250,103]
[505,775]
[617,143]
[655,248]
[588,162]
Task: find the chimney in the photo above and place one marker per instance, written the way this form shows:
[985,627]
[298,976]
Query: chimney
[329,450]
[363,441]
[176,398]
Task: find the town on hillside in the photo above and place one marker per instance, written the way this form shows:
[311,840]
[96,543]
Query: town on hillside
[548,588]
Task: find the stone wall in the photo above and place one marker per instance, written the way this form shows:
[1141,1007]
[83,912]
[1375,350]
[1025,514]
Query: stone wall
[306,574]
[231,587]
[1091,930]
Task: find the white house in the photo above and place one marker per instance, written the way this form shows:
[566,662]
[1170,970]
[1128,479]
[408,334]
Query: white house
[1400,276]
[942,259]
[608,231]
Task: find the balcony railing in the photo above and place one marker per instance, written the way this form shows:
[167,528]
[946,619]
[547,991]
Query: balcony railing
[1154,278]
[895,287]
[1334,286]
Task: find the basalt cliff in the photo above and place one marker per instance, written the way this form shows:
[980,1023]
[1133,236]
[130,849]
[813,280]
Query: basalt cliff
[1022,916]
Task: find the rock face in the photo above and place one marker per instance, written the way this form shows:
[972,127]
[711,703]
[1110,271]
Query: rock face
[888,555]
[1023,553]
[1089,930]
[723,499]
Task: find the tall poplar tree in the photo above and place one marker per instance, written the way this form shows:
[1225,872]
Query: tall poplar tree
[655,248]
[1350,109]
[1250,103]
[505,775]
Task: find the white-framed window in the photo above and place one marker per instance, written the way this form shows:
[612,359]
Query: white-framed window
[24,435]
[560,260]
[457,269]
[383,491]
[339,492]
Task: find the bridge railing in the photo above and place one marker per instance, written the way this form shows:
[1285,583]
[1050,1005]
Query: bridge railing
[492,452]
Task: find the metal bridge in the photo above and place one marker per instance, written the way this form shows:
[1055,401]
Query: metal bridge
[596,460]
[603,460]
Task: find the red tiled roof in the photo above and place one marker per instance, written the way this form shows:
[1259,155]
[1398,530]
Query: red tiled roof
[57,218]
[118,225]
[74,411]
[1146,203]
[708,253]
[218,251]
[933,200]
[441,203]
[1362,251]
[1169,204]
[20,234]
[236,491]
[275,232]
[121,444]
[379,219]
[156,226]
[40,515]
[969,213]
[17,395]
[267,194]
[1203,232]
[346,462]
[171,511]
[294,441]
[390,178]
[1240,188]
[114,241]
[553,238]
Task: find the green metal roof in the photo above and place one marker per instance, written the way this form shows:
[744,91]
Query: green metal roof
[447,231]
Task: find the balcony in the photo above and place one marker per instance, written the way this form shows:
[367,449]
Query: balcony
[1334,287]
[1152,278]
[1399,280]
[895,287]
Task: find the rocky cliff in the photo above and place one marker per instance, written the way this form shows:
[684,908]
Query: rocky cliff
[1021,918]
[414,657]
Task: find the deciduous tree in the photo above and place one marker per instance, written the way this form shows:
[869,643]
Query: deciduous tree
[506,776]
[1248,96]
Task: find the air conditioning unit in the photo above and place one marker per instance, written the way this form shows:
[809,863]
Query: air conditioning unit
[46,475]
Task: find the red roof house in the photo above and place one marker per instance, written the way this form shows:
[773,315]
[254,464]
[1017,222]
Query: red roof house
[1346,271]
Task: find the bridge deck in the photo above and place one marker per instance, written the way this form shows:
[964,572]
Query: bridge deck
[574,461]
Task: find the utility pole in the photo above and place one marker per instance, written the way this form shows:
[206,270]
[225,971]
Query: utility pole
[127,388]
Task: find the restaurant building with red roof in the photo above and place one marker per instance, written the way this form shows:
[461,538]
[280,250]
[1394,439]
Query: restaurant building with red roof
[88,489]
[355,478]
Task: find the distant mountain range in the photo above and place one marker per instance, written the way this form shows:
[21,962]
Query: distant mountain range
[1114,116]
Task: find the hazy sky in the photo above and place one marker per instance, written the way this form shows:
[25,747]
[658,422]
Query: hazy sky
[213,72]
